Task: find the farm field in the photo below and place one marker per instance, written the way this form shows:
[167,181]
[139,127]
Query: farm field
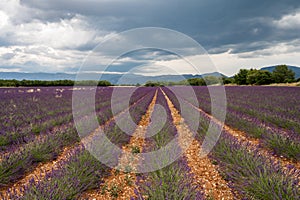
[257,155]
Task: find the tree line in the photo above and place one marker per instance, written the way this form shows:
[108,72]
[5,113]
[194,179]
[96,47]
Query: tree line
[281,74]
[35,83]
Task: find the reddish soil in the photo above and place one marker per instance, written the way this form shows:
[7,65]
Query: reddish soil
[121,185]
[204,172]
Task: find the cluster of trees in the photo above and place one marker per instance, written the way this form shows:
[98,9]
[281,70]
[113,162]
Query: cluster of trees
[281,74]
[164,83]
[208,80]
[34,83]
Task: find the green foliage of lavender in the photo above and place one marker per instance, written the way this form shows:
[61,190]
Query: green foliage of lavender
[285,146]
[171,182]
[15,165]
[78,174]
[253,175]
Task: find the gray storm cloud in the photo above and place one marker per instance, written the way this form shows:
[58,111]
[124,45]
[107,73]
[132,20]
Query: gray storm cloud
[66,31]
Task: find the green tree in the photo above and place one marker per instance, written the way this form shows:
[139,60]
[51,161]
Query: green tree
[259,77]
[152,84]
[282,74]
[104,83]
[241,77]
[196,81]
[34,83]
[227,80]
[212,80]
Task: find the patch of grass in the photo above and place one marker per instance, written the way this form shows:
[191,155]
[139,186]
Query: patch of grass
[4,140]
[104,189]
[114,191]
[214,162]
[128,180]
[36,129]
[135,150]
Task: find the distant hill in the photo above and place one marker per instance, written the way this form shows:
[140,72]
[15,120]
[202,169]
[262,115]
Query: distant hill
[36,76]
[113,78]
[294,68]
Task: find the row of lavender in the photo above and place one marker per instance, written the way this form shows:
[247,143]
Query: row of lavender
[81,171]
[271,114]
[277,107]
[173,181]
[21,159]
[38,149]
[251,174]
[10,141]
[28,114]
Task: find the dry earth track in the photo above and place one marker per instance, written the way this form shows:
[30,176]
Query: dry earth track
[124,182]
[205,173]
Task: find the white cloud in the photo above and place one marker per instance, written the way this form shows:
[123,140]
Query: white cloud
[197,64]
[290,21]
[66,33]
[40,58]
[52,36]
[49,45]
[21,25]
[3,19]
[17,12]
[229,64]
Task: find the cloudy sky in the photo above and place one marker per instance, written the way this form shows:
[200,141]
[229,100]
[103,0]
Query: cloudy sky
[57,36]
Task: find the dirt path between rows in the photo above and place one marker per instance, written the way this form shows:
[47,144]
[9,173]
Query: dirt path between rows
[121,183]
[255,144]
[205,173]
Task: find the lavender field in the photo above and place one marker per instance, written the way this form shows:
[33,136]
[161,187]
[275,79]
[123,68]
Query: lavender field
[257,156]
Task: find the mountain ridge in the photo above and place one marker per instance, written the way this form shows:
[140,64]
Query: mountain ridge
[113,78]
[120,78]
